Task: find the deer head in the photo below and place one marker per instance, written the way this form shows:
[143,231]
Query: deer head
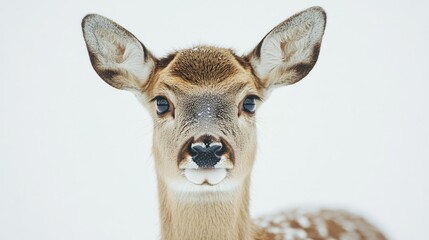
[204,100]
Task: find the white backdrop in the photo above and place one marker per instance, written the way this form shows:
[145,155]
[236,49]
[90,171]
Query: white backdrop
[75,159]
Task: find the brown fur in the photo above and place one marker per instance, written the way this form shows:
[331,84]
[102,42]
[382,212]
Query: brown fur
[207,66]
[201,65]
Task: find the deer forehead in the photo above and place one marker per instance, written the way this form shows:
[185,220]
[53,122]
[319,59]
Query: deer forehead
[202,70]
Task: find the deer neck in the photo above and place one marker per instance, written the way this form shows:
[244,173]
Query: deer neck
[206,216]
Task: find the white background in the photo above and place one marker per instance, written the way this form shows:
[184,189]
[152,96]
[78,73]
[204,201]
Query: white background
[75,159]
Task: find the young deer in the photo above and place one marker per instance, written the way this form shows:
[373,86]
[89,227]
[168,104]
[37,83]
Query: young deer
[203,103]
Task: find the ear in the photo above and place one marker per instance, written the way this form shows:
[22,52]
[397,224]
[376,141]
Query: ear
[116,55]
[289,51]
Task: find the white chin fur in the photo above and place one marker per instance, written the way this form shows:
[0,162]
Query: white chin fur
[211,176]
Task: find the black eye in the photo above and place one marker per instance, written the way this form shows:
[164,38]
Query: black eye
[162,105]
[249,104]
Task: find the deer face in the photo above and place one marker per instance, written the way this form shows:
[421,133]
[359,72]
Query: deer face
[203,100]
[203,103]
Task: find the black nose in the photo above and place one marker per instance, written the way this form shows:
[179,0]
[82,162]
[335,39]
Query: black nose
[206,154]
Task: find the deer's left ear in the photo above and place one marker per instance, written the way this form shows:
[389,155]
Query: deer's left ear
[289,51]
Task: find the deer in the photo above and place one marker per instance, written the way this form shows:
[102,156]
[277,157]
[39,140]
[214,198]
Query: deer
[203,101]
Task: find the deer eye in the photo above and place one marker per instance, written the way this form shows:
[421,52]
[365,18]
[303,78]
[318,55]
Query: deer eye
[162,105]
[249,104]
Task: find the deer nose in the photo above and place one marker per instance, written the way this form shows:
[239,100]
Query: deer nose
[206,153]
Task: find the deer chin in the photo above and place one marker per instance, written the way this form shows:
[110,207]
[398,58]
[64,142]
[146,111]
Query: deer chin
[210,176]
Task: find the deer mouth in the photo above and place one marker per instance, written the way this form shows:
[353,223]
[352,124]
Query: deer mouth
[208,176]
[206,160]
[205,175]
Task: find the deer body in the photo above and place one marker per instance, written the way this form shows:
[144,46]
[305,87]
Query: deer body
[203,103]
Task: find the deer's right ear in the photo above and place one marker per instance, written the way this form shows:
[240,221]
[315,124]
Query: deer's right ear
[116,55]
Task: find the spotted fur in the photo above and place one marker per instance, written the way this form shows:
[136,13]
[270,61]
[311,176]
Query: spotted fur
[323,224]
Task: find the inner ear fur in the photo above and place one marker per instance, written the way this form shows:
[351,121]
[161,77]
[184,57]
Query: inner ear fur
[290,50]
[117,56]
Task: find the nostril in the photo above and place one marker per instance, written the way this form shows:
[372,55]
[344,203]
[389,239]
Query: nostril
[192,151]
[220,151]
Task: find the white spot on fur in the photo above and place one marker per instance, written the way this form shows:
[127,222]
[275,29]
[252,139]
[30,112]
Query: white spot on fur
[321,227]
[303,221]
